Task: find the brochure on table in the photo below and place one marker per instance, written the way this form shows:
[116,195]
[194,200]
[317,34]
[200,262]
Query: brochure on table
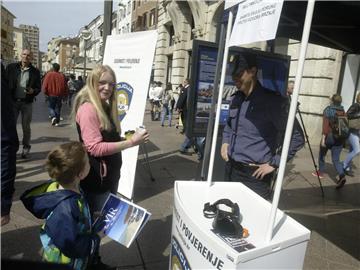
[196,246]
[122,220]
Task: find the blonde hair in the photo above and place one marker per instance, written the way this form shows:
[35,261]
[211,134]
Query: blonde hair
[65,162]
[90,93]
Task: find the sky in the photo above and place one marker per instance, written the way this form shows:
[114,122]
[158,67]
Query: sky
[54,18]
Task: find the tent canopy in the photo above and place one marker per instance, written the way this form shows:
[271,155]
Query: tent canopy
[335,24]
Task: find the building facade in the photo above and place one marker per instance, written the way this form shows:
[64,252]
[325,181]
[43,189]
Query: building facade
[68,50]
[124,17]
[20,43]
[7,35]
[180,22]
[32,33]
[144,15]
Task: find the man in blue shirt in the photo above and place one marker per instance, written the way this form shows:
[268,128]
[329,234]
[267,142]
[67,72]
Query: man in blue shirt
[254,130]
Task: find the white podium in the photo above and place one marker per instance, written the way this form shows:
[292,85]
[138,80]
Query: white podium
[195,246]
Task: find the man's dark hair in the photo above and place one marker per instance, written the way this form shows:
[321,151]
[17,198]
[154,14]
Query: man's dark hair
[56,67]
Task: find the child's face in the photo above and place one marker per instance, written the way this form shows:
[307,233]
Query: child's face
[86,169]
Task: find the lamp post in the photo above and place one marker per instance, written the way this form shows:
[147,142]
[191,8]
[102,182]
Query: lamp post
[86,35]
[73,58]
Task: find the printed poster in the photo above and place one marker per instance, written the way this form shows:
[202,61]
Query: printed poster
[131,57]
[121,220]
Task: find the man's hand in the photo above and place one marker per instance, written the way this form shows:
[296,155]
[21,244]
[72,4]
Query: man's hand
[30,91]
[322,143]
[263,170]
[224,151]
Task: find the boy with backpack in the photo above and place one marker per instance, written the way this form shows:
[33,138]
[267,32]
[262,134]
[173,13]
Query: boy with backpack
[67,236]
[335,131]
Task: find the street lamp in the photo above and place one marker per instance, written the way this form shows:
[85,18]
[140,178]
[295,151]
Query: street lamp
[85,35]
[73,58]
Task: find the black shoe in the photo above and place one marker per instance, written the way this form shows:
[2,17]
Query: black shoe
[341,182]
[184,152]
[25,152]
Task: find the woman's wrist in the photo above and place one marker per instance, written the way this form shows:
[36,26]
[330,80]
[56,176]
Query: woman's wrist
[132,142]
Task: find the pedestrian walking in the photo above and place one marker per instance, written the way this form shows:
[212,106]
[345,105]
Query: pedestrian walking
[157,93]
[24,85]
[67,236]
[166,105]
[72,88]
[95,113]
[55,88]
[353,115]
[330,140]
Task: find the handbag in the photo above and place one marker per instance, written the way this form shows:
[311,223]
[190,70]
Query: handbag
[354,123]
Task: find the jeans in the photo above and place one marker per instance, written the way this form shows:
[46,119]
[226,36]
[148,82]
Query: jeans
[166,111]
[54,105]
[355,150]
[198,142]
[26,115]
[335,156]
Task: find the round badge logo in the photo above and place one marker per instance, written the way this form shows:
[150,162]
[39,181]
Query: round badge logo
[124,93]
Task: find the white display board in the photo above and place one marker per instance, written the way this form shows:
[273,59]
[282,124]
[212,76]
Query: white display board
[195,246]
[131,57]
[256,20]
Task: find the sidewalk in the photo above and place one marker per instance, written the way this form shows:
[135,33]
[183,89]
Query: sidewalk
[334,219]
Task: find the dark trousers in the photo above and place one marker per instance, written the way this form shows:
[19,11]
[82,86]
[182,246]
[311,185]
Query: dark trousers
[8,173]
[54,106]
[244,175]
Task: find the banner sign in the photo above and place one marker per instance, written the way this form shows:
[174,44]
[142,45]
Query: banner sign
[230,3]
[131,57]
[256,20]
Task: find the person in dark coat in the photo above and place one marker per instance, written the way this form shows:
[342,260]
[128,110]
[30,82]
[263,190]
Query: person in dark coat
[24,85]
[9,147]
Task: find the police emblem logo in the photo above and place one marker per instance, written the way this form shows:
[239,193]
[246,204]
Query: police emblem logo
[124,93]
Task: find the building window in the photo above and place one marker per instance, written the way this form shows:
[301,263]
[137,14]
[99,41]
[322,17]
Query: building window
[144,22]
[169,68]
[3,33]
[134,5]
[152,17]
[171,34]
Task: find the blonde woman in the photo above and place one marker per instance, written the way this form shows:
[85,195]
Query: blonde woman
[95,114]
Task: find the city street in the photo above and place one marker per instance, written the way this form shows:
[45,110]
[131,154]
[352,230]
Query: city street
[334,220]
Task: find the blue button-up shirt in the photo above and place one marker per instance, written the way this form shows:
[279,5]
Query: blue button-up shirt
[256,126]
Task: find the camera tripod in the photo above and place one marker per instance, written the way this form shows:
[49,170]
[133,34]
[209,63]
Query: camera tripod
[311,152]
[310,149]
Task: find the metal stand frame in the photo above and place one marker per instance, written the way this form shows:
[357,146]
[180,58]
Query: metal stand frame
[140,253]
[146,157]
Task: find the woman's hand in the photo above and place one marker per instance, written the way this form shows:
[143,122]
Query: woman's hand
[140,136]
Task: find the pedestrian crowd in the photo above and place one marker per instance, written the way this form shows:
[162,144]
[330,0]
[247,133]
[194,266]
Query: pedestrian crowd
[83,174]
